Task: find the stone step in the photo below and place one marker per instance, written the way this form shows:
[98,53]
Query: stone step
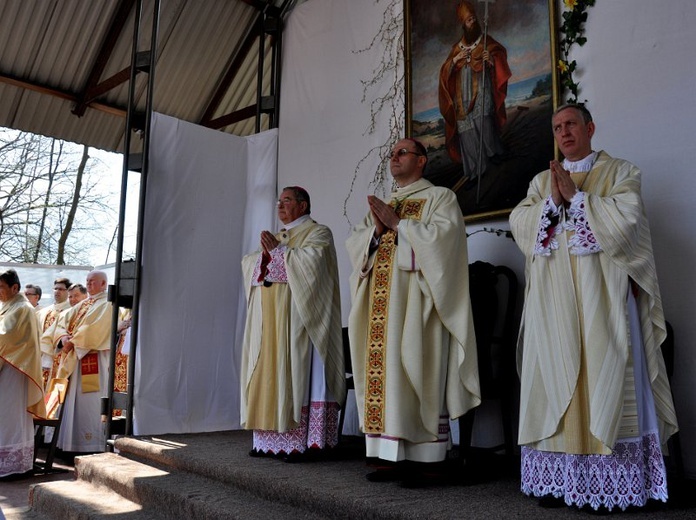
[178,494]
[81,500]
[223,457]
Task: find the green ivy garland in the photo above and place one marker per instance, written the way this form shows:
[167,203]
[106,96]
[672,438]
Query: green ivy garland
[572,31]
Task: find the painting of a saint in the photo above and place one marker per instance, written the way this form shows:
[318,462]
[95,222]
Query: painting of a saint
[482,96]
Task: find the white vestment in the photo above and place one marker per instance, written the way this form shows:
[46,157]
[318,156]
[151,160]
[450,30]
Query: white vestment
[595,403]
[292,376]
[90,324]
[411,330]
[21,388]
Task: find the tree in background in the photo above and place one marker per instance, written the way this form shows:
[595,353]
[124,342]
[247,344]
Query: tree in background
[53,209]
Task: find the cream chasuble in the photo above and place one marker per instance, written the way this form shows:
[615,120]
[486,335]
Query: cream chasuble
[48,321]
[19,348]
[411,330]
[284,320]
[89,324]
[574,344]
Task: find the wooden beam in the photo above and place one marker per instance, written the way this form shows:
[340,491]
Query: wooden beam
[234,117]
[110,83]
[91,90]
[232,71]
[62,94]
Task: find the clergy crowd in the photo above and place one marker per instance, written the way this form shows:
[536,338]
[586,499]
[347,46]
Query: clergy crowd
[43,348]
[595,404]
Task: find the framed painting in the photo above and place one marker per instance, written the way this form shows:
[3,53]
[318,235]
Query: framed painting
[481,88]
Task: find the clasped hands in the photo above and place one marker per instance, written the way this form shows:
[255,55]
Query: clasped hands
[67,344]
[383,215]
[268,241]
[562,186]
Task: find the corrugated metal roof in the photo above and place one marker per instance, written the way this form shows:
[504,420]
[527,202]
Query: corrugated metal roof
[49,48]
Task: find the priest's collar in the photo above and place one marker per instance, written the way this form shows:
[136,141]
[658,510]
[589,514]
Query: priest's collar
[297,222]
[415,186]
[583,165]
[98,296]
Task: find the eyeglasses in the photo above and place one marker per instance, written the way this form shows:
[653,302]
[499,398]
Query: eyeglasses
[31,294]
[286,200]
[402,152]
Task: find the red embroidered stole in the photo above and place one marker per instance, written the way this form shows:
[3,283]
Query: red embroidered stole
[89,367]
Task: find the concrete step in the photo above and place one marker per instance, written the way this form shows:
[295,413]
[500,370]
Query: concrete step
[81,500]
[319,488]
[174,493]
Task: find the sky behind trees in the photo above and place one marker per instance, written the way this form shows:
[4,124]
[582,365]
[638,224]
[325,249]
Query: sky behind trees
[59,202]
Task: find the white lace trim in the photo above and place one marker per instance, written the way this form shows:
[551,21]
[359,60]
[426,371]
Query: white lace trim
[583,165]
[633,474]
[16,458]
[274,270]
[545,244]
[583,242]
[318,429]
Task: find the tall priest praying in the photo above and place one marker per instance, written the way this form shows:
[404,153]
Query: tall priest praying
[595,403]
[292,376]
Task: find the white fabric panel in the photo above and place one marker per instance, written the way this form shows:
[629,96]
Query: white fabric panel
[260,214]
[195,217]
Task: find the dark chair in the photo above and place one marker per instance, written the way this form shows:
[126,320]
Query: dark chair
[493,291]
[674,443]
[54,399]
[350,384]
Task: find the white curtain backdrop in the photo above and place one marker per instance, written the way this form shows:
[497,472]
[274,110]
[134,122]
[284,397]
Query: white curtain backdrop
[208,196]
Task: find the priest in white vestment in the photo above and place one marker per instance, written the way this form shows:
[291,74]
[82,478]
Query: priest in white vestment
[83,335]
[595,403]
[21,385]
[48,321]
[411,329]
[292,376]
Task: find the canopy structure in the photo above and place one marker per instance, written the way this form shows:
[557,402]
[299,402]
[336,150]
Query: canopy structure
[65,65]
[95,72]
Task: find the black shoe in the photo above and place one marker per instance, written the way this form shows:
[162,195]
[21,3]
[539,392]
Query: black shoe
[256,453]
[419,479]
[551,502]
[385,475]
[294,457]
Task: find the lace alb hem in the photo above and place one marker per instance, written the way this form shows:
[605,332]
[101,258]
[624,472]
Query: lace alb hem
[318,429]
[546,236]
[583,242]
[16,459]
[633,474]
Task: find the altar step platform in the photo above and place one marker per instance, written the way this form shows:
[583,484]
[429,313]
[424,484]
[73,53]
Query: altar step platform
[212,476]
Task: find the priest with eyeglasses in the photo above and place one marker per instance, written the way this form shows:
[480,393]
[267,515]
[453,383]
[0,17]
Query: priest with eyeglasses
[411,330]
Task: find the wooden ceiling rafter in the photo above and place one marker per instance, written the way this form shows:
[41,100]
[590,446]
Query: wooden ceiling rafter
[231,73]
[61,94]
[256,31]
[94,87]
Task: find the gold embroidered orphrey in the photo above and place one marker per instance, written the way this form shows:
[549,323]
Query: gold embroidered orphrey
[379,306]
